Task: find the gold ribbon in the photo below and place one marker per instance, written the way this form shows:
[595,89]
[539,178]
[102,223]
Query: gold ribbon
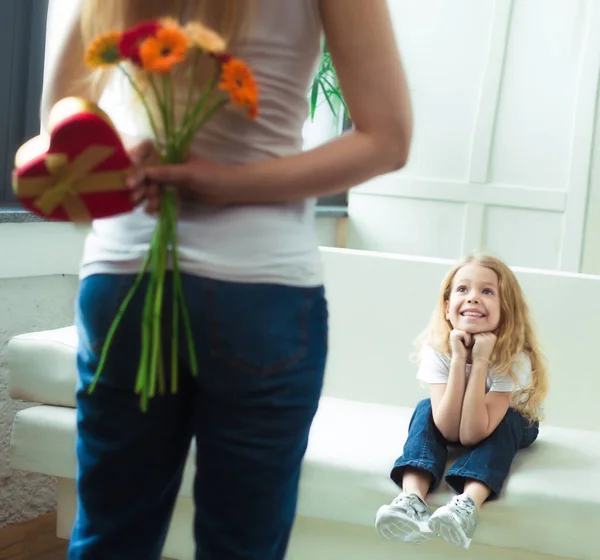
[68,180]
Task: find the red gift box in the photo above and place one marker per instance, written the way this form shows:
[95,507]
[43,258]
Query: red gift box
[78,174]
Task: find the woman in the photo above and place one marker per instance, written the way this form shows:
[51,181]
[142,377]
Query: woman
[253,280]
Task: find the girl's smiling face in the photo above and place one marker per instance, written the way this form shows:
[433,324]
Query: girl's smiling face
[474,303]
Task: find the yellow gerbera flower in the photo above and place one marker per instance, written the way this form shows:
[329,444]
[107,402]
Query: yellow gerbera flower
[104,51]
[204,38]
[161,53]
[169,22]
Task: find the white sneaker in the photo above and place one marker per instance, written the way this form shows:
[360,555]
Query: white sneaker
[405,519]
[456,522]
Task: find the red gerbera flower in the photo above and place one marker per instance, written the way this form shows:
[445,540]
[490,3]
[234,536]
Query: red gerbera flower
[223,57]
[132,39]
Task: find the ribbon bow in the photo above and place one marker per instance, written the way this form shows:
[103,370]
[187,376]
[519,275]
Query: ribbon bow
[70,179]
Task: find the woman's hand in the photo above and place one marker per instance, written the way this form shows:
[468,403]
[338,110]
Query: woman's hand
[197,178]
[141,155]
[483,346]
[460,342]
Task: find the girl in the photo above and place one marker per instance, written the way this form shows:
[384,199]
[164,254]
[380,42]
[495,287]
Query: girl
[253,280]
[487,382]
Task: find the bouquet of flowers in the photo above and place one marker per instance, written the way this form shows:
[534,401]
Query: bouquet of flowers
[155,50]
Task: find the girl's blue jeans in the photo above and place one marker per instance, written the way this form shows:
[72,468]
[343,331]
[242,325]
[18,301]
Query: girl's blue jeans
[261,352]
[488,462]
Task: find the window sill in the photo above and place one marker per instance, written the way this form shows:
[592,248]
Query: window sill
[332,212]
[33,246]
[9,215]
[15,215]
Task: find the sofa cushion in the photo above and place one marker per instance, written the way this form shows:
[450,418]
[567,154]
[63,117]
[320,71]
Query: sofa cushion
[43,367]
[43,441]
[550,504]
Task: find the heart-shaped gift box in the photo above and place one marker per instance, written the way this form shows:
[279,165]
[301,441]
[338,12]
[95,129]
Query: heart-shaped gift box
[78,173]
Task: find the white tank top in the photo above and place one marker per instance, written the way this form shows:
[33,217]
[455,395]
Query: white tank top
[256,244]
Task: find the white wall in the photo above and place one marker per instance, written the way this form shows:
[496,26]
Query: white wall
[591,250]
[504,158]
[504,96]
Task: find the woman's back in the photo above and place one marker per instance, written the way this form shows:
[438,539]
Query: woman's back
[274,243]
[248,384]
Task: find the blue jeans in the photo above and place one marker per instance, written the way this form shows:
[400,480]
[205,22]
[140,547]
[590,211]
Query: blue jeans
[488,462]
[261,352]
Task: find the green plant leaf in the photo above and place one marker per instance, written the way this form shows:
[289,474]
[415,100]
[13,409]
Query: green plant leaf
[328,99]
[326,81]
[314,98]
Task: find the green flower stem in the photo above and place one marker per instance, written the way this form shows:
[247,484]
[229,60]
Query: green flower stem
[187,130]
[167,105]
[179,304]
[187,139]
[172,213]
[161,106]
[163,264]
[173,142]
[117,321]
[145,335]
[205,118]
[147,325]
[170,101]
[161,373]
[140,94]
[157,303]
[191,86]
[175,345]
[211,113]
[187,325]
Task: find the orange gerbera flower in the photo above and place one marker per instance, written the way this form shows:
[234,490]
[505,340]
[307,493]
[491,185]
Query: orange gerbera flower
[238,81]
[165,50]
[104,51]
[204,38]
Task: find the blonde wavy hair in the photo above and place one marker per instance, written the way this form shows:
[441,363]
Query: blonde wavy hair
[516,333]
[228,17]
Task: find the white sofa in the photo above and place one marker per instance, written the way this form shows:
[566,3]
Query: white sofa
[551,503]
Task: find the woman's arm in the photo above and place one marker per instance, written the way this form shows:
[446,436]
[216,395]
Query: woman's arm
[447,400]
[66,71]
[67,74]
[363,47]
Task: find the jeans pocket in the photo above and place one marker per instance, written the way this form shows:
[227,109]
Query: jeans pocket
[98,302]
[259,329]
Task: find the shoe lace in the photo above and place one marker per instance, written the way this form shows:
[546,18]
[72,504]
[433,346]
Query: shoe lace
[410,502]
[464,506]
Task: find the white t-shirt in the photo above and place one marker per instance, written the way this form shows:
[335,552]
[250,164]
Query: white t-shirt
[269,243]
[435,368]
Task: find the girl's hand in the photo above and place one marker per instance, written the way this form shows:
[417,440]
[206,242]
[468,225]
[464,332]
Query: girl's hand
[197,178]
[461,344]
[483,346]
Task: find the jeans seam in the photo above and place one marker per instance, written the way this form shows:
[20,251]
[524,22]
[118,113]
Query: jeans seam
[426,441]
[427,466]
[493,482]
